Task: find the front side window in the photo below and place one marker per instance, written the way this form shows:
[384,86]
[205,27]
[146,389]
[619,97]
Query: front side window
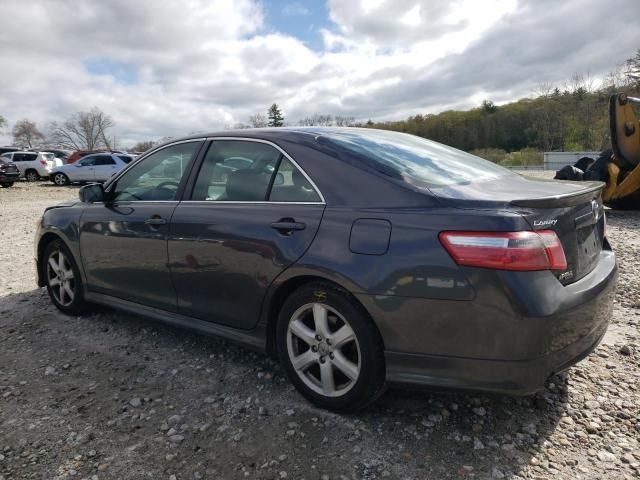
[156,177]
[87,162]
[236,170]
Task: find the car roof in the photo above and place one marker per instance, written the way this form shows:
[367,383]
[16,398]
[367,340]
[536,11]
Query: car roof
[273,133]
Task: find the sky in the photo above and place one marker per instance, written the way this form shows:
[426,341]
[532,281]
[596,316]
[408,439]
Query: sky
[175,67]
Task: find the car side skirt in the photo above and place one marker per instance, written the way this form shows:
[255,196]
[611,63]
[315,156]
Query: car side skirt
[254,339]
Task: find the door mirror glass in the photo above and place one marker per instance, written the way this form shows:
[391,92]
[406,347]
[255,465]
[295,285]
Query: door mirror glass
[279,180]
[92,193]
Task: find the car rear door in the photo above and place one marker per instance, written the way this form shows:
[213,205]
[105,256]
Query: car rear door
[238,231]
[123,241]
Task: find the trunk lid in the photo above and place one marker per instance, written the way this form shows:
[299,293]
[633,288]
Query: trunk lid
[574,210]
[8,167]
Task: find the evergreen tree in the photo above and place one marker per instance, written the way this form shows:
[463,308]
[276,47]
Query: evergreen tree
[276,119]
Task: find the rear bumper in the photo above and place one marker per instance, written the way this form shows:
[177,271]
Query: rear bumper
[9,177]
[513,377]
[515,333]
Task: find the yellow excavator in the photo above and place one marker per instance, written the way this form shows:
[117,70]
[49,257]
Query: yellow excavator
[618,167]
[623,170]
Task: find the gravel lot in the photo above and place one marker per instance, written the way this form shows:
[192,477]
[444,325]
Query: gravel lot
[115,396]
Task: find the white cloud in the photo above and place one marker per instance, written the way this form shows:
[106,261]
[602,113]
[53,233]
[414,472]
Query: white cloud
[197,65]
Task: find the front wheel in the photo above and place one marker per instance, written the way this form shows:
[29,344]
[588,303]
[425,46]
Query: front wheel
[60,179]
[62,278]
[330,348]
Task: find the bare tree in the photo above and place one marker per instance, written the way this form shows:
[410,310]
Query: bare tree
[317,120]
[258,120]
[3,122]
[341,121]
[83,131]
[25,132]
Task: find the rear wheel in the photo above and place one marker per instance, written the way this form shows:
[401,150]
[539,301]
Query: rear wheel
[330,349]
[31,176]
[6,184]
[60,179]
[62,278]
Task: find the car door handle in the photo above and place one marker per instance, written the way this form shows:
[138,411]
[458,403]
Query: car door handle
[287,226]
[155,221]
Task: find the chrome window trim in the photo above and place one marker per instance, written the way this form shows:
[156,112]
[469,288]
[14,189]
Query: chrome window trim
[277,147]
[135,161]
[247,202]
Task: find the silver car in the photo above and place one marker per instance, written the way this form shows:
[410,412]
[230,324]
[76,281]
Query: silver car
[98,167]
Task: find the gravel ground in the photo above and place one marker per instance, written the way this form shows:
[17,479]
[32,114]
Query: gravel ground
[115,396]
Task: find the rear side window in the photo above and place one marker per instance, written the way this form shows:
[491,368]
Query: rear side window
[125,158]
[105,160]
[236,171]
[414,160]
[24,157]
[290,185]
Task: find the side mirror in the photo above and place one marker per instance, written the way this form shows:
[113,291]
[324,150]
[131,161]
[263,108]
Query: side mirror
[279,180]
[92,193]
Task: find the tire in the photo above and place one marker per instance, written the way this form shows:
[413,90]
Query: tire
[66,290]
[7,184]
[341,377]
[31,176]
[60,179]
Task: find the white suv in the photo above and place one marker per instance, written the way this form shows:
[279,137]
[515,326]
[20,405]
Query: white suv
[32,165]
[97,167]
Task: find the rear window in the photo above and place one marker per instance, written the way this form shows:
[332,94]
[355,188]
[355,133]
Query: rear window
[414,160]
[125,158]
[48,156]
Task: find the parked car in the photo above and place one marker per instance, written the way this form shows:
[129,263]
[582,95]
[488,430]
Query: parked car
[9,149]
[78,154]
[91,168]
[9,173]
[60,154]
[361,258]
[33,165]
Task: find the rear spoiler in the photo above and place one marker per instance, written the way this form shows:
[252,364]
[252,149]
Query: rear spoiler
[591,190]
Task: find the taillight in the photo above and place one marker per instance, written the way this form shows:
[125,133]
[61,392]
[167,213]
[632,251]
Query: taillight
[526,251]
[43,162]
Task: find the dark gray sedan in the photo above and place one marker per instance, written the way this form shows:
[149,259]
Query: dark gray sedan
[360,257]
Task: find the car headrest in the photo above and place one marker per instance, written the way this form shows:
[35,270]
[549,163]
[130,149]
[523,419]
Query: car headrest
[298,178]
[246,185]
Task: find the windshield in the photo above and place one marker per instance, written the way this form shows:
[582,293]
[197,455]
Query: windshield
[413,159]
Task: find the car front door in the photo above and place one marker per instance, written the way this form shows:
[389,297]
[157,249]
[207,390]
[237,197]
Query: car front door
[105,167]
[246,220]
[123,241]
[83,170]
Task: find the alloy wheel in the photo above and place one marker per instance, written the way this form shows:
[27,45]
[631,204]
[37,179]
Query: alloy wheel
[323,349]
[59,179]
[31,176]
[60,278]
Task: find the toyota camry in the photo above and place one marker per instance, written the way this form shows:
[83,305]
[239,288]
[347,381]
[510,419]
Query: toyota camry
[361,258]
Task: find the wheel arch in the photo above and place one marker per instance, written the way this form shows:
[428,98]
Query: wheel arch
[44,241]
[287,287]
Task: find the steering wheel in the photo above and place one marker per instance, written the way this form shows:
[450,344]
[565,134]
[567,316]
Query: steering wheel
[168,184]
